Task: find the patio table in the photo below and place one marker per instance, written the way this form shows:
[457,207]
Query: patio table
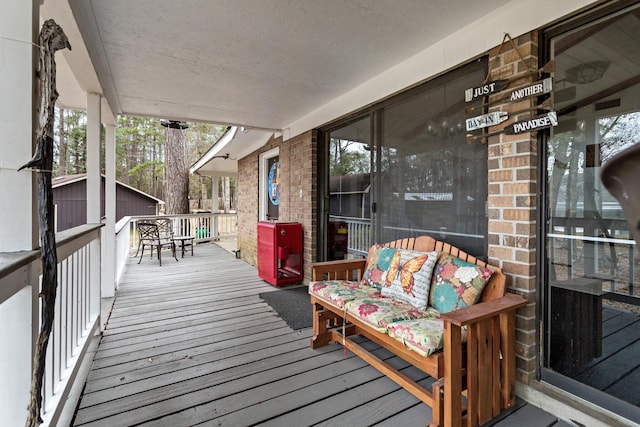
[184,241]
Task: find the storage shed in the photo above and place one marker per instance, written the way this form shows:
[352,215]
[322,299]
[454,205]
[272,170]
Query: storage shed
[70,199]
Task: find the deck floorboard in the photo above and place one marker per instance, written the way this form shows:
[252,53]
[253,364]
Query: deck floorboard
[191,342]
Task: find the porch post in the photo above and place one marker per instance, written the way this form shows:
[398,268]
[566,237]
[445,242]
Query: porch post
[215,182]
[93,158]
[94,188]
[19,225]
[109,230]
[18,191]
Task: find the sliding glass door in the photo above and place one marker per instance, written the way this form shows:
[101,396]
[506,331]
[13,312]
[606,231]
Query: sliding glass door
[429,178]
[590,280]
[404,168]
[349,196]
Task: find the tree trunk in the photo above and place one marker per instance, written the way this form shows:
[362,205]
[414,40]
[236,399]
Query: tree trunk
[154,159]
[177,172]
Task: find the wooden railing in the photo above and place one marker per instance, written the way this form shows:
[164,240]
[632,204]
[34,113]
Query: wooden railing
[77,320]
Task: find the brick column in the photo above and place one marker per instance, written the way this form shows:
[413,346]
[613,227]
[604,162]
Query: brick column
[512,198]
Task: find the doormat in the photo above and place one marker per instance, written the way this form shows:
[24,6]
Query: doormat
[292,305]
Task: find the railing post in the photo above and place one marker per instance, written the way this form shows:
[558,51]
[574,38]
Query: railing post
[95,286]
[214,231]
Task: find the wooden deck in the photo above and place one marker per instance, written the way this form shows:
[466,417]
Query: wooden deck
[192,343]
[617,370]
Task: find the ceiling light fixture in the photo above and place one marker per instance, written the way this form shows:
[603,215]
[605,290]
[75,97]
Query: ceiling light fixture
[586,73]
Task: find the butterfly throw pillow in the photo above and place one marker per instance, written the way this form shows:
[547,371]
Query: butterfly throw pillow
[409,276]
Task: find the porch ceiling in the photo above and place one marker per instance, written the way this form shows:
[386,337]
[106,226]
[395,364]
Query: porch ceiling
[248,62]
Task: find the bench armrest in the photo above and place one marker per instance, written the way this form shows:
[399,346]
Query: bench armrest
[343,269]
[484,310]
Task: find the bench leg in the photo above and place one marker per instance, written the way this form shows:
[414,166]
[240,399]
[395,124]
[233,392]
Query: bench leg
[452,376]
[321,318]
[437,410]
[320,336]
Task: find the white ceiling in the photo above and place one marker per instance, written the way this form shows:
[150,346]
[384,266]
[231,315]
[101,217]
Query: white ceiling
[253,63]
[271,66]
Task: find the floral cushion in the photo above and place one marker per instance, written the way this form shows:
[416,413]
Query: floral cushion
[424,336]
[409,276]
[380,312]
[339,292]
[378,262]
[457,284]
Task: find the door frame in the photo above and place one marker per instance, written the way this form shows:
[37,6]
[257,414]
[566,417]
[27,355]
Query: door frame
[263,172]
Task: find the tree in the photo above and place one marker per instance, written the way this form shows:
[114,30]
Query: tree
[348,157]
[70,142]
[177,172]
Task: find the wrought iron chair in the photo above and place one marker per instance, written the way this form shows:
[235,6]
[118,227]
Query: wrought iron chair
[158,234]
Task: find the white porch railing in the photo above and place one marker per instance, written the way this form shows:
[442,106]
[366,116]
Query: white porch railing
[359,234]
[77,319]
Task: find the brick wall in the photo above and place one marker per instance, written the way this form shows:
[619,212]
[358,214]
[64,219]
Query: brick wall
[512,197]
[248,190]
[298,176]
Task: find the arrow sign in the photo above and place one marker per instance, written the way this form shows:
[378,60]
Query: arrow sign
[486,120]
[541,122]
[484,90]
[538,88]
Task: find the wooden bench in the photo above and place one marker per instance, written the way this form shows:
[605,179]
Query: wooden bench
[473,381]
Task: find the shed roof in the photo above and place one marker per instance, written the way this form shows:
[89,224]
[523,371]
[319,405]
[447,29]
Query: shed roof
[70,179]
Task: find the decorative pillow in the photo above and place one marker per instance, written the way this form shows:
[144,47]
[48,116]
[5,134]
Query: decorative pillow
[378,262]
[457,284]
[409,277]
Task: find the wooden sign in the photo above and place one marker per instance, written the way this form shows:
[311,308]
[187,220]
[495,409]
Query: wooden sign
[486,120]
[484,90]
[517,94]
[538,88]
[541,122]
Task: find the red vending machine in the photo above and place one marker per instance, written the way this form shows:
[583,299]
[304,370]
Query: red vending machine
[280,252]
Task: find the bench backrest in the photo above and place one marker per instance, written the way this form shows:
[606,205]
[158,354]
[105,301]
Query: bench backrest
[495,288]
